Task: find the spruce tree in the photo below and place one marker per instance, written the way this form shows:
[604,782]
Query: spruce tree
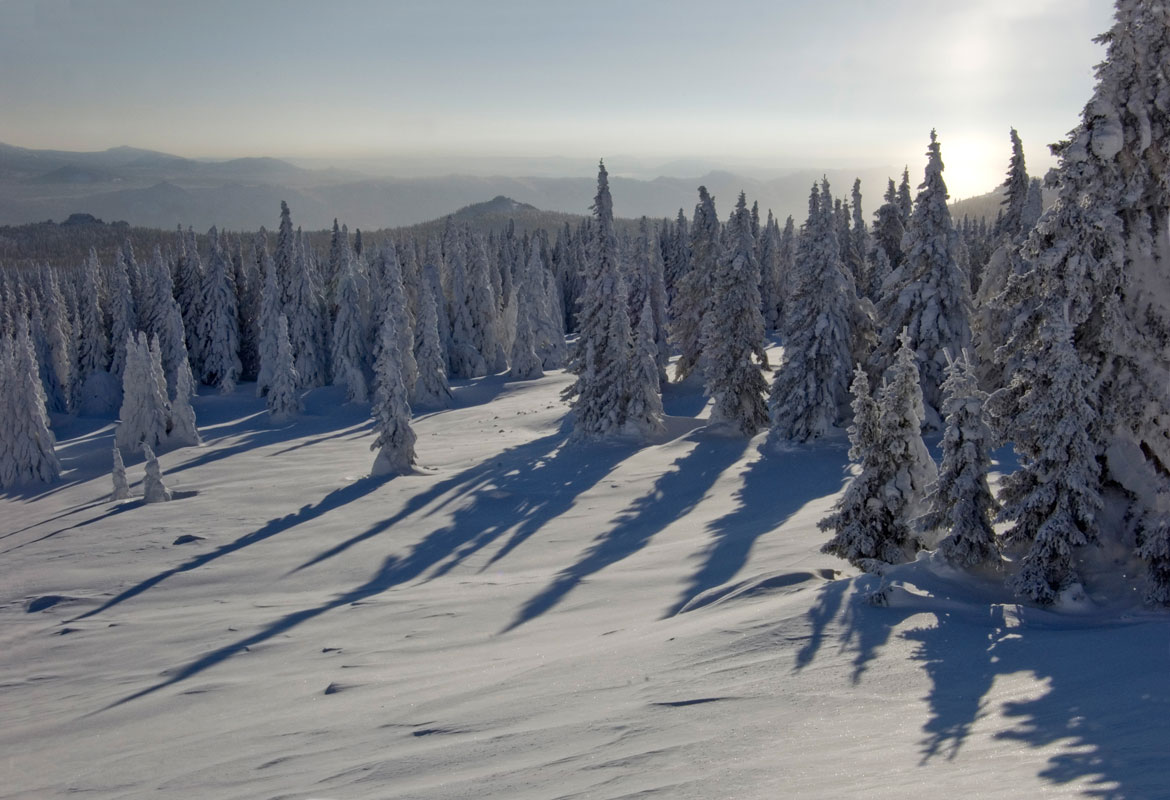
[351,327]
[694,292]
[394,438]
[810,390]
[283,398]
[601,356]
[218,328]
[1054,499]
[644,412]
[431,390]
[1094,258]
[929,297]
[960,502]
[26,442]
[270,314]
[733,335]
[153,488]
[143,416]
[121,490]
[526,365]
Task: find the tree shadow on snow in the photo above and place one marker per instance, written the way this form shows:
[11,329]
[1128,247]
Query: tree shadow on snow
[536,480]
[775,487]
[673,496]
[338,498]
[1099,711]
[551,486]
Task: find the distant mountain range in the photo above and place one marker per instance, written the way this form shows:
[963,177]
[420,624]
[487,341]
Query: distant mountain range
[152,189]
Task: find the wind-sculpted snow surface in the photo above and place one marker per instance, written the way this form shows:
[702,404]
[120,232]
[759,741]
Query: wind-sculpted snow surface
[529,617]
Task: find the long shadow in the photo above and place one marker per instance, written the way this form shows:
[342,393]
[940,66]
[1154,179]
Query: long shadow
[334,500]
[1105,708]
[119,509]
[482,483]
[775,487]
[955,653]
[1101,695]
[381,581]
[673,496]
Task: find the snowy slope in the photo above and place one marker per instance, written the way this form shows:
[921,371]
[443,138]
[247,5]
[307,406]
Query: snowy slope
[527,619]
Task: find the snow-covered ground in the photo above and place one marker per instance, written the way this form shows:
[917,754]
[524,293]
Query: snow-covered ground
[527,618]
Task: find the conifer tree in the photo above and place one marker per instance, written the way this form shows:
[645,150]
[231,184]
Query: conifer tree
[431,390]
[960,502]
[392,303]
[153,488]
[888,229]
[62,353]
[394,438]
[144,412]
[1093,259]
[305,311]
[866,530]
[283,398]
[905,202]
[270,314]
[218,329]
[26,442]
[123,317]
[644,412]
[466,359]
[810,390]
[771,291]
[184,430]
[733,335]
[1054,499]
[351,328]
[526,365]
[1015,191]
[929,297]
[91,335]
[121,489]
[693,294]
[601,356]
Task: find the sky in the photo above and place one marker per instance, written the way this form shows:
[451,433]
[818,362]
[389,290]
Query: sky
[769,83]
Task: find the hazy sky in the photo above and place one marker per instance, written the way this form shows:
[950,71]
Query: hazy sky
[773,82]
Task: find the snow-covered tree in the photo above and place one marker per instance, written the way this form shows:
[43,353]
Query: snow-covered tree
[283,398]
[960,503]
[184,431]
[394,438]
[153,488]
[270,314]
[218,328]
[121,489]
[145,409]
[123,316]
[889,228]
[61,346]
[1015,190]
[26,442]
[810,390]
[693,293]
[305,311]
[1099,259]
[92,343]
[466,359]
[392,304]
[525,362]
[928,296]
[1054,499]
[867,532]
[601,356]
[431,390]
[351,327]
[733,333]
[644,411]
